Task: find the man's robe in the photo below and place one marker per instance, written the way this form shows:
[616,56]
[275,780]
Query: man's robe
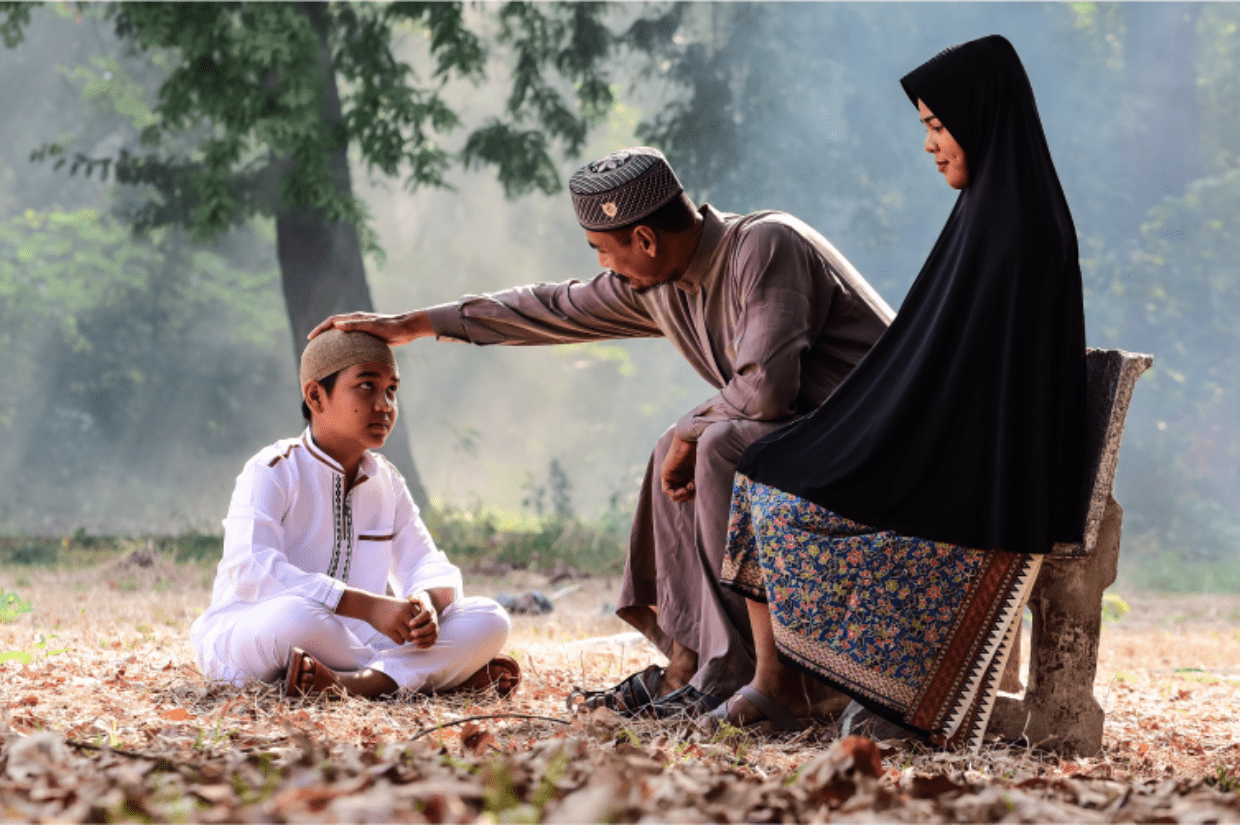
[770,314]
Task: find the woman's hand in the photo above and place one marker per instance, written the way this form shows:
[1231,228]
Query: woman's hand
[394,329]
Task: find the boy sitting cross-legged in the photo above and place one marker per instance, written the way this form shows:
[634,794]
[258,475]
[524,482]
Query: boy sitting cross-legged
[317,526]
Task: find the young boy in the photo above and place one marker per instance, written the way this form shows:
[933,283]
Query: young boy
[317,526]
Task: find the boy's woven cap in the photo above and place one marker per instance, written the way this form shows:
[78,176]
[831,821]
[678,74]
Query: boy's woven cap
[336,349]
[622,188]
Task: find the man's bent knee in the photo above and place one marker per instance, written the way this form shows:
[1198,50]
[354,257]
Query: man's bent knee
[662,446]
[723,442]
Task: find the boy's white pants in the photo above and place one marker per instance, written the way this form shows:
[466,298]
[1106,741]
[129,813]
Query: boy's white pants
[471,631]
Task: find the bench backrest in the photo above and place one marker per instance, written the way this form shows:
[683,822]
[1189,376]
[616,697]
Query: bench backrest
[1111,375]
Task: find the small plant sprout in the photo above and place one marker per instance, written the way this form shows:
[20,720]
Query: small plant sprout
[27,656]
[1113,607]
[12,606]
[547,786]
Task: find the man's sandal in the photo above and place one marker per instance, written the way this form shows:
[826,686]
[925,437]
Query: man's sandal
[778,719]
[628,698]
[491,674]
[324,679]
[683,703]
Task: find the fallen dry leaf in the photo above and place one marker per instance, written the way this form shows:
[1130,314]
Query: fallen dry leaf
[476,739]
[1171,748]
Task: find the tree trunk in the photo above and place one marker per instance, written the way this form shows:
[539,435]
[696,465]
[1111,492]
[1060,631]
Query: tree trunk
[321,267]
[1164,144]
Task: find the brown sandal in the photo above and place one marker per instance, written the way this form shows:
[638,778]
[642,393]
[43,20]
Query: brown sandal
[324,679]
[776,718]
[489,675]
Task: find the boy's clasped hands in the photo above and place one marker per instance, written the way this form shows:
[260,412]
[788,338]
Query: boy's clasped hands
[413,620]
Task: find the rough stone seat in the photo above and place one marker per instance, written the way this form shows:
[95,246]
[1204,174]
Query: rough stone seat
[1058,710]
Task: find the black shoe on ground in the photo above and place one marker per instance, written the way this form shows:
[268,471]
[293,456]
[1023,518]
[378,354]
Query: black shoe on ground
[686,703]
[629,698]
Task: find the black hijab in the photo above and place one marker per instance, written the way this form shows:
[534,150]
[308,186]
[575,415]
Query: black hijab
[965,423]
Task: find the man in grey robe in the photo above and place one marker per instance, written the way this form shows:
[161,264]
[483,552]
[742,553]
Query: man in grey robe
[763,307]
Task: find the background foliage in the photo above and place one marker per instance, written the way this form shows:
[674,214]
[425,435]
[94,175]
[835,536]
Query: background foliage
[141,370]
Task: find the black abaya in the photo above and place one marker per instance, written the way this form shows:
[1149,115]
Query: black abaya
[964,424]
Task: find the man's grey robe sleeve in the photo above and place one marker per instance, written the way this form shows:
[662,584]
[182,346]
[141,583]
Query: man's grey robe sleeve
[564,313]
[785,301]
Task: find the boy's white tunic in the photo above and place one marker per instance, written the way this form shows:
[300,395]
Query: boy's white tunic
[296,535]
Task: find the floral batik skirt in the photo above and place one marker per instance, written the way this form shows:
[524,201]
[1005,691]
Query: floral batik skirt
[917,631]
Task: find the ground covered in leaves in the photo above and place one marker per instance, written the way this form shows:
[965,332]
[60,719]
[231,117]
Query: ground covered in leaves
[103,716]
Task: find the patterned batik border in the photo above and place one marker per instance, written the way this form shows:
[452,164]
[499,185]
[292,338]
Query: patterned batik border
[956,700]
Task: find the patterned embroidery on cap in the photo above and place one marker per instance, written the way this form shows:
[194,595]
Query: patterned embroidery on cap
[609,162]
[609,209]
[587,181]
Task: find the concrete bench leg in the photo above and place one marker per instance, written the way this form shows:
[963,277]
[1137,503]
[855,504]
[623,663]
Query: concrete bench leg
[1059,711]
[1010,681]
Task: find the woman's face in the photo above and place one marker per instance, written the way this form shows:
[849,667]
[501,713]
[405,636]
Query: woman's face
[947,152]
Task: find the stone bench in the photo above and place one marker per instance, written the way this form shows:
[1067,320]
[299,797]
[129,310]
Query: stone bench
[1058,710]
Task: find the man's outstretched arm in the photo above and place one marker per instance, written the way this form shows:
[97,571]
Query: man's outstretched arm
[538,314]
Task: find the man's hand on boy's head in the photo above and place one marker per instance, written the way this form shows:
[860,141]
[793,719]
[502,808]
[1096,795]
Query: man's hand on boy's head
[424,628]
[394,329]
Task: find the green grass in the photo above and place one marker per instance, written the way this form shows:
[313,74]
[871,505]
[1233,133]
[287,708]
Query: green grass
[471,536]
[524,541]
[1165,572]
[1224,780]
[24,551]
[193,547]
[12,606]
[82,550]
[467,536]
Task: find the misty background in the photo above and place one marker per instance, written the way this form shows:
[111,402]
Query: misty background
[140,372]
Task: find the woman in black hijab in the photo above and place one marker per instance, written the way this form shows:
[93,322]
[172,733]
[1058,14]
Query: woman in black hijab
[888,541]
